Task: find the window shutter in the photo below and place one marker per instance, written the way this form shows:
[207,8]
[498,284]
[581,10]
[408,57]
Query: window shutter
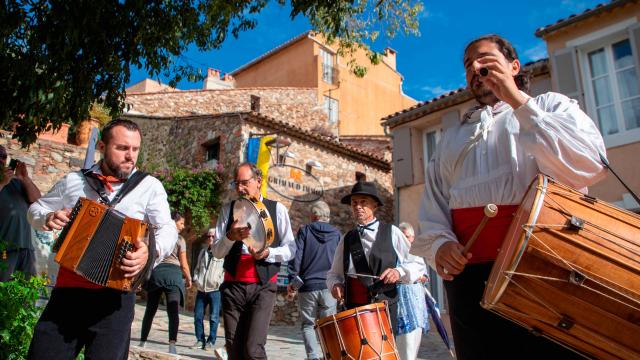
[402,159]
[566,76]
[634,37]
[450,119]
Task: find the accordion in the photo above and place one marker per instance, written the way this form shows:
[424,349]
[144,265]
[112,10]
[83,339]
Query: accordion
[96,239]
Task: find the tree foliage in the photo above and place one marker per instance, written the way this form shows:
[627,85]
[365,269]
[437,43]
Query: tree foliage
[58,57]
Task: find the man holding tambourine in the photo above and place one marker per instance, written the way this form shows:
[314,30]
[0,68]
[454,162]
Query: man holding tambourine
[254,237]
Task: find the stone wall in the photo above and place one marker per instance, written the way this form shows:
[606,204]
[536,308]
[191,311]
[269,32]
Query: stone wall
[181,141]
[297,106]
[47,161]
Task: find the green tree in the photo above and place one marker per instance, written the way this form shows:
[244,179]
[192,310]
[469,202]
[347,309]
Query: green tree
[58,57]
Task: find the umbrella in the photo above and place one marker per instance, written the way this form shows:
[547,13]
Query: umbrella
[435,316]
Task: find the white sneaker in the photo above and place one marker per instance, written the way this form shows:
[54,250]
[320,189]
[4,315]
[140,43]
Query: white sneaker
[198,345]
[172,349]
[221,353]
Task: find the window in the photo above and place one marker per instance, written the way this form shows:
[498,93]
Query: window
[331,108]
[431,138]
[612,88]
[327,66]
[212,152]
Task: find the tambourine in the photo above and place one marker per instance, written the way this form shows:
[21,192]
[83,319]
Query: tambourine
[251,212]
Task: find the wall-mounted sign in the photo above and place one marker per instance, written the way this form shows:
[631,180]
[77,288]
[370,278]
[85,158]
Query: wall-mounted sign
[294,183]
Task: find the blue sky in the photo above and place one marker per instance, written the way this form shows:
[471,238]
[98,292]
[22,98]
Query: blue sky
[430,63]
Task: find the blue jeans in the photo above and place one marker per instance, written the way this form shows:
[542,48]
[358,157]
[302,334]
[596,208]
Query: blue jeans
[204,299]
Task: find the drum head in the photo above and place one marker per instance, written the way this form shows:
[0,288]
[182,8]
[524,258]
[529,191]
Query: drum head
[247,214]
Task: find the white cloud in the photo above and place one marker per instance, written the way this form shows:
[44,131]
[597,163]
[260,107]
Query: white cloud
[536,53]
[433,91]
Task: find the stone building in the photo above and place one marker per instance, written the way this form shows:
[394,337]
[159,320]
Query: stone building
[333,166]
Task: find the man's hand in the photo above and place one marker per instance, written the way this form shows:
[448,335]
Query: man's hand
[390,276]
[56,220]
[450,261]
[500,80]
[187,283]
[21,171]
[337,291]
[134,261]
[258,255]
[238,232]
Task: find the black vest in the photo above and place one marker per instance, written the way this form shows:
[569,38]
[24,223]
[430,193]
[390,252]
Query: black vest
[382,256]
[265,270]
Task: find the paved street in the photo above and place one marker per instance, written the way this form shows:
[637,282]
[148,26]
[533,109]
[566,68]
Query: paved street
[284,342]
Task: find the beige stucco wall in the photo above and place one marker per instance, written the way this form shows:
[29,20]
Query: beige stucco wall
[362,101]
[623,160]
[558,40]
[620,157]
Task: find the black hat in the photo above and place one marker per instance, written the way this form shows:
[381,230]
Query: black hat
[363,188]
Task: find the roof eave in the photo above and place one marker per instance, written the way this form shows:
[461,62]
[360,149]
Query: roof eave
[573,19]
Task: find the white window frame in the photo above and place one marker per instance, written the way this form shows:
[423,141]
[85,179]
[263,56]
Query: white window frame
[332,111]
[426,156]
[624,136]
[327,64]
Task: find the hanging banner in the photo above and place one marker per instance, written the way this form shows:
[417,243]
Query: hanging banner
[262,163]
[253,148]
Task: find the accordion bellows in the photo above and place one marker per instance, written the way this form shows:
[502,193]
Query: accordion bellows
[95,241]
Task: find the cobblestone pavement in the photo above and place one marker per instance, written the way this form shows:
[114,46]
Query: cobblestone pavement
[283,342]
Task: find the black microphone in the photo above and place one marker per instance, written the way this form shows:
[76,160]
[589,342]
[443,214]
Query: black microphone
[484,72]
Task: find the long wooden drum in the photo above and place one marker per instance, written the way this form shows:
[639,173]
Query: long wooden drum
[569,269]
[360,333]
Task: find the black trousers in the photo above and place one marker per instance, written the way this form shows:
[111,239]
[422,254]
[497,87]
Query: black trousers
[98,320]
[247,310]
[173,296]
[481,334]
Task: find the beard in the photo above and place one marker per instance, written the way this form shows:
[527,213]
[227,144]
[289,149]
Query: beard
[116,170]
[482,94]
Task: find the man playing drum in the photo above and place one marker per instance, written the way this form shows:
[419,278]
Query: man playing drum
[249,288]
[372,258]
[491,157]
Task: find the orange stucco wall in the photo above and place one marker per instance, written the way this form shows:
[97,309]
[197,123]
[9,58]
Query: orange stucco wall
[362,102]
[292,66]
[558,40]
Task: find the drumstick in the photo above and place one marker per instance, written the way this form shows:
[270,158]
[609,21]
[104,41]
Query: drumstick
[364,275]
[491,210]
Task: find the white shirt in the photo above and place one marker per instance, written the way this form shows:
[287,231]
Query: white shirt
[147,201]
[548,134]
[283,253]
[410,267]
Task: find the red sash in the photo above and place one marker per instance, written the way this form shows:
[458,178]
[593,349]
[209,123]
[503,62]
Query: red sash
[246,271]
[67,278]
[485,249]
[357,293]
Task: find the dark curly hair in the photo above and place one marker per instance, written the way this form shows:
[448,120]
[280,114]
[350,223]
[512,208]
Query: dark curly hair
[522,79]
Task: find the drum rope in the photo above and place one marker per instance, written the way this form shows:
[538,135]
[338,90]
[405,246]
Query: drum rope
[585,274]
[363,336]
[536,299]
[343,348]
[606,231]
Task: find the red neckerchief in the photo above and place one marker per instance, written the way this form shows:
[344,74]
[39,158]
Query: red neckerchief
[108,180]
